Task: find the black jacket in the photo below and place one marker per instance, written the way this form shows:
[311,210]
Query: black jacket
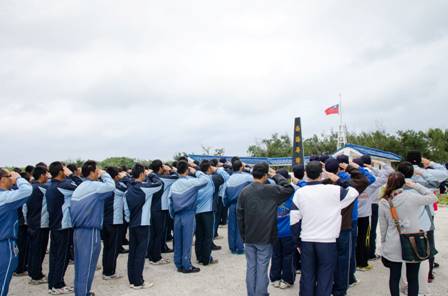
[257,210]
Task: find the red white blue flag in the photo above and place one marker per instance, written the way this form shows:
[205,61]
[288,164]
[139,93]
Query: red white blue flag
[332,110]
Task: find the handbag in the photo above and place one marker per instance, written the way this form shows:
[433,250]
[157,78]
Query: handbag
[415,247]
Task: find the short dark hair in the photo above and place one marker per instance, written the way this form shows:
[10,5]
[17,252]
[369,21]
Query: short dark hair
[112,171]
[184,158]
[214,162]
[72,167]
[235,158]
[137,170]
[359,161]
[299,171]
[29,169]
[42,164]
[174,164]
[182,167]
[88,167]
[323,158]
[204,165]
[284,173]
[260,170]
[342,158]
[366,159]
[39,171]
[237,165]
[313,169]
[406,168]
[55,168]
[414,157]
[156,165]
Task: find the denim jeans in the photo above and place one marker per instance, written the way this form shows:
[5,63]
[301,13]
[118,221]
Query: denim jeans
[257,257]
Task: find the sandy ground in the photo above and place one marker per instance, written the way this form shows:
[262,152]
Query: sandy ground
[227,277]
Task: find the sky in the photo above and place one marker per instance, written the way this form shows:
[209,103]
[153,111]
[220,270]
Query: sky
[146,79]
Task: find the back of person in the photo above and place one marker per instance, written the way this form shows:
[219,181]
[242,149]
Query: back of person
[320,208]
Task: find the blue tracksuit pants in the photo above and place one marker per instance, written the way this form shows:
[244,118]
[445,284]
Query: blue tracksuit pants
[87,243]
[8,263]
[235,241]
[184,227]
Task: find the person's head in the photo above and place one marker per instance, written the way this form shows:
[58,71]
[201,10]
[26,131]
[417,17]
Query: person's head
[40,174]
[284,173]
[260,172]
[223,160]
[395,181]
[237,165]
[332,165]
[235,158]
[113,172]
[74,169]
[358,161]
[6,181]
[56,170]
[184,158]
[323,158]
[182,168]
[415,158]
[138,172]
[313,170]
[366,159]
[124,168]
[406,168]
[29,169]
[42,164]
[343,159]
[205,166]
[174,164]
[314,158]
[90,171]
[214,162]
[299,171]
[157,166]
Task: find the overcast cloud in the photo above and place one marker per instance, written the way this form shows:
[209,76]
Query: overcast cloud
[146,79]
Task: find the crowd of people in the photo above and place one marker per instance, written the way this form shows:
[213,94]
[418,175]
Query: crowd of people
[319,221]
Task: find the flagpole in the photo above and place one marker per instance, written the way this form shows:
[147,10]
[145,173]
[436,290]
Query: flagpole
[340,109]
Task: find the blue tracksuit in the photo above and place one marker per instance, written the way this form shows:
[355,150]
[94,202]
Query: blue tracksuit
[37,218]
[232,188]
[137,208]
[58,196]
[282,264]
[183,197]
[10,201]
[87,210]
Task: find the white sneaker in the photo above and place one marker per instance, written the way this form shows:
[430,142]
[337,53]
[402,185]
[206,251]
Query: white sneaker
[284,285]
[43,280]
[144,286]
[112,277]
[162,261]
[61,291]
[276,284]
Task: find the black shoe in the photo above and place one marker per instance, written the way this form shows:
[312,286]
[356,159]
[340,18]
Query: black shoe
[180,270]
[436,265]
[167,251]
[192,270]
[216,248]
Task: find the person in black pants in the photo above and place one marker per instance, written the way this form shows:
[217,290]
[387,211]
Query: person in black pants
[38,231]
[58,198]
[395,275]
[137,198]
[373,227]
[113,225]
[362,249]
[22,245]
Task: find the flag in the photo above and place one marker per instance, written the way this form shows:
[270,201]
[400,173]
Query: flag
[332,110]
